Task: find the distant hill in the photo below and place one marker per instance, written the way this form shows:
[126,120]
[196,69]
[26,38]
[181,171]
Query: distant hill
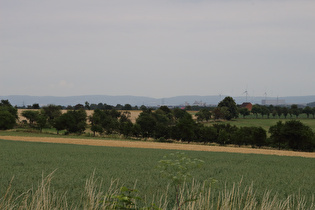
[311,104]
[21,100]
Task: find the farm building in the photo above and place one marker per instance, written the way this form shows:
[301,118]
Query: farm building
[247,105]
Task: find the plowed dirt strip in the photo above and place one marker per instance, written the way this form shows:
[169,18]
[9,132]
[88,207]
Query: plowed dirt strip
[154,145]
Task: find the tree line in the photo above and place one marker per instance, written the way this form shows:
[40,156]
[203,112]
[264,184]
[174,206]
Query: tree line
[165,124]
[278,111]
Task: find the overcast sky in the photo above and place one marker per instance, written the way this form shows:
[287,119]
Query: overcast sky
[158,48]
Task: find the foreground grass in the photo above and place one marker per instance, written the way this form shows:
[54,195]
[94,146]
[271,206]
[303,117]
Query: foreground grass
[26,161]
[191,196]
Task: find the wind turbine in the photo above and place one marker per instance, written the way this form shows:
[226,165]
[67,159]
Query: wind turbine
[246,93]
[265,94]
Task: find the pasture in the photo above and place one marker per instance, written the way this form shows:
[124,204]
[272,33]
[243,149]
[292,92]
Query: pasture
[75,163]
[264,123]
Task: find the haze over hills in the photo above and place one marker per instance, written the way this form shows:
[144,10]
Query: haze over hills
[20,100]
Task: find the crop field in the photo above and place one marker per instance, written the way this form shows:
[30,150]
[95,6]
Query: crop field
[28,161]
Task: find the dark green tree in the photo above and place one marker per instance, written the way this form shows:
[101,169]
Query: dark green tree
[274,113]
[276,135]
[126,128]
[295,110]
[259,136]
[78,106]
[242,136]
[87,105]
[179,113]
[256,110]
[285,112]
[35,106]
[264,111]
[31,116]
[105,120]
[299,136]
[278,110]
[231,106]
[119,107]
[165,109]
[51,112]
[127,107]
[74,121]
[7,119]
[187,127]
[125,124]
[60,123]
[244,112]
[146,123]
[96,122]
[203,115]
[163,122]
[255,136]
[207,134]
[6,105]
[228,129]
[36,119]
[308,111]
[41,121]
[217,113]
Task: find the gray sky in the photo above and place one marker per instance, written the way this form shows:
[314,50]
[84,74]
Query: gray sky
[158,48]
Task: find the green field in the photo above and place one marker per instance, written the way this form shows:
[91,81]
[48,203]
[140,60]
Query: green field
[264,123]
[74,163]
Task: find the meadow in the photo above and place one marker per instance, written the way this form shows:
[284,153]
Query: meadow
[28,162]
[264,122]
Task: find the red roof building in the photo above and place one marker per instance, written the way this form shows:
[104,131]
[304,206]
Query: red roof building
[247,105]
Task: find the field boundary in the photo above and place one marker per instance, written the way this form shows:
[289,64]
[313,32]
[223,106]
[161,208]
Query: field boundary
[157,145]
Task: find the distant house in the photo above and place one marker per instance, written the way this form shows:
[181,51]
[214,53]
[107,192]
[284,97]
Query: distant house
[247,105]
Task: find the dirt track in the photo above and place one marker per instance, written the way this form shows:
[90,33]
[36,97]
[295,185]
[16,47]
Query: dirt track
[154,145]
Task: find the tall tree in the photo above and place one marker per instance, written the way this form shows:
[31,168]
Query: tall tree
[298,136]
[146,123]
[231,107]
[308,110]
[264,111]
[276,135]
[295,110]
[8,115]
[203,114]
[31,116]
[244,112]
[52,112]
[285,112]
[74,121]
[256,110]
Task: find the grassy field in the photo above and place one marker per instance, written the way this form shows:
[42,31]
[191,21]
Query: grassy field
[264,123]
[28,161]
